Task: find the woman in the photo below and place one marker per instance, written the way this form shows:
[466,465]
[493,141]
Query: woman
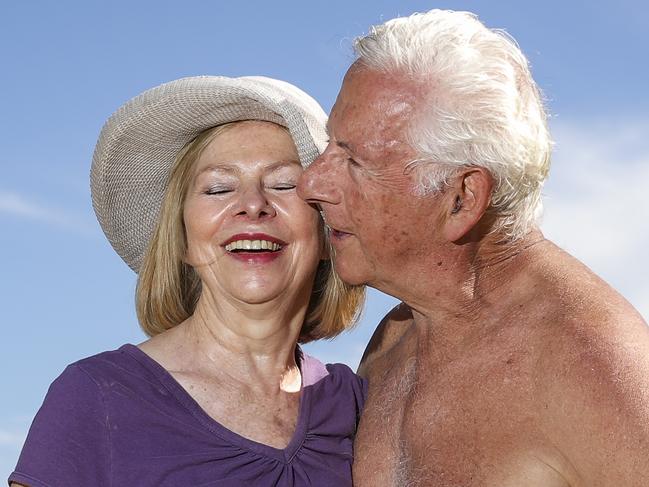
[233,273]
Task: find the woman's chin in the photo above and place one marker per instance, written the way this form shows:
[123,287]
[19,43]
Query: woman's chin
[257,294]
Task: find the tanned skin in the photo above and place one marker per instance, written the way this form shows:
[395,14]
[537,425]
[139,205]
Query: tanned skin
[509,363]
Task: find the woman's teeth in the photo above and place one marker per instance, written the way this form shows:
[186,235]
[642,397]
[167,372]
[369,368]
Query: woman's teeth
[252,245]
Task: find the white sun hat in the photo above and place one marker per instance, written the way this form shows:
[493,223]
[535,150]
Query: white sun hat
[139,143]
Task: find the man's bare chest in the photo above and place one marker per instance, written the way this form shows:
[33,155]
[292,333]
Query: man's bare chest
[460,426]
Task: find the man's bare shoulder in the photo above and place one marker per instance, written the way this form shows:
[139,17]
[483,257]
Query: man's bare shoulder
[597,346]
[592,375]
[387,334]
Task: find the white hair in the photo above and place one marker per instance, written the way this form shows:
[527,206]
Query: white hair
[483,108]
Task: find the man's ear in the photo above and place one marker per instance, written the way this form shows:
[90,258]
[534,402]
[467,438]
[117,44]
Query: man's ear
[466,201]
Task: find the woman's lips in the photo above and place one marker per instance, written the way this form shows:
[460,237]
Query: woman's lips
[253,237]
[255,257]
[254,248]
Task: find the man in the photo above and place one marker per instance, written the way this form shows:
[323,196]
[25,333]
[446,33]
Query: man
[509,363]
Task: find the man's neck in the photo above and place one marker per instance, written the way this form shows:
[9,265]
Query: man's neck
[476,283]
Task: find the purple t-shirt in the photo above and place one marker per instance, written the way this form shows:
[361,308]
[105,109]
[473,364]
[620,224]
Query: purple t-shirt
[119,418]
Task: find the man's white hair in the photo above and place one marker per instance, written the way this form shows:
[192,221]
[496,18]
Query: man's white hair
[482,109]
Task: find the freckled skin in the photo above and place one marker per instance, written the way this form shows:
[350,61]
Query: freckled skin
[238,348]
[506,365]
[373,195]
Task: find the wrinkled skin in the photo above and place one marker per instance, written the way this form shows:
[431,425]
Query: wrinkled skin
[362,184]
[244,182]
[508,364]
[236,354]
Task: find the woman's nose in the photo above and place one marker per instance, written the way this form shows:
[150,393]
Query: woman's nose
[254,203]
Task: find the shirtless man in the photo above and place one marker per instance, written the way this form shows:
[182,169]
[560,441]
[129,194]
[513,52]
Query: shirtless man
[509,363]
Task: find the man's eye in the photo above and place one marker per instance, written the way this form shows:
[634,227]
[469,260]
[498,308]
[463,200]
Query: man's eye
[352,162]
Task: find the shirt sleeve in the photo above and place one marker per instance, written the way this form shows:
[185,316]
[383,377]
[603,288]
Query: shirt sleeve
[349,385]
[68,442]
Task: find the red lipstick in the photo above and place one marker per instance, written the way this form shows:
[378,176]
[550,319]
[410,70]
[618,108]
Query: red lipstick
[261,256]
[253,236]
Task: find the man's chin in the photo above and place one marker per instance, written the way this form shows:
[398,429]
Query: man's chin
[349,273]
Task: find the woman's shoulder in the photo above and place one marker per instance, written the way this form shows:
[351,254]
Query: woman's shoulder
[114,357]
[99,366]
[333,380]
[334,402]
[98,373]
[69,436]
[313,370]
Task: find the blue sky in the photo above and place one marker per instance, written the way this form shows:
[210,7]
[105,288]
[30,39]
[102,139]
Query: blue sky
[68,65]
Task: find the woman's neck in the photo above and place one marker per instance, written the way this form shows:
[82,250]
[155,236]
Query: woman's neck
[255,342]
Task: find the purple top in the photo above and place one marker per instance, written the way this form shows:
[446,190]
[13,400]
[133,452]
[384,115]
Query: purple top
[119,418]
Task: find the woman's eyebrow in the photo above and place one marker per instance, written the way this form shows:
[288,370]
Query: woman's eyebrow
[276,166]
[218,168]
[228,169]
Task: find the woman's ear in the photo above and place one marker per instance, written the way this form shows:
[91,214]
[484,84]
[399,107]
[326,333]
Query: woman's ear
[466,202]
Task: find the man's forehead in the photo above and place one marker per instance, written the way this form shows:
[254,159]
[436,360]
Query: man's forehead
[371,97]
[372,92]
[385,81]
[373,127]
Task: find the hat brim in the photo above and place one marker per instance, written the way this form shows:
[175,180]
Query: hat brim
[139,144]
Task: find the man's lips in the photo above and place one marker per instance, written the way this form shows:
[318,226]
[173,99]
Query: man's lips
[338,234]
[334,232]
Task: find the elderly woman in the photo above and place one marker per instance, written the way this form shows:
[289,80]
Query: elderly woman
[193,183]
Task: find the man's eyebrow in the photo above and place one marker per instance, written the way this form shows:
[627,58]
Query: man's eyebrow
[344,145]
[340,143]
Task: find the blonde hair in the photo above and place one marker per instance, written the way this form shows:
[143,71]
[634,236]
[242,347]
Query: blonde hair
[168,289]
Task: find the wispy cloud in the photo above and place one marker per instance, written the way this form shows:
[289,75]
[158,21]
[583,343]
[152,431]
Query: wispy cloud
[12,439]
[11,442]
[17,205]
[596,202]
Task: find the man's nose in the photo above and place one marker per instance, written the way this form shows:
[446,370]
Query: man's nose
[253,202]
[317,184]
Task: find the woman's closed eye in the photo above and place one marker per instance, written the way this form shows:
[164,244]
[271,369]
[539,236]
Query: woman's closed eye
[217,190]
[283,186]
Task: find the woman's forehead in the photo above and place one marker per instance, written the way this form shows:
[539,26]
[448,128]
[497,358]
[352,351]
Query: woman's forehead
[235,168]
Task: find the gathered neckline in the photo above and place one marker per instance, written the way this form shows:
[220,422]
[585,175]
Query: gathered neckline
[284,455]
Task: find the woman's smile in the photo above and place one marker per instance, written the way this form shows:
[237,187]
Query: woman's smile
[249,236]
[254,248]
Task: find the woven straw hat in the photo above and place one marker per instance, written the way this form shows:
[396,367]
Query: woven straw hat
[140,141]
